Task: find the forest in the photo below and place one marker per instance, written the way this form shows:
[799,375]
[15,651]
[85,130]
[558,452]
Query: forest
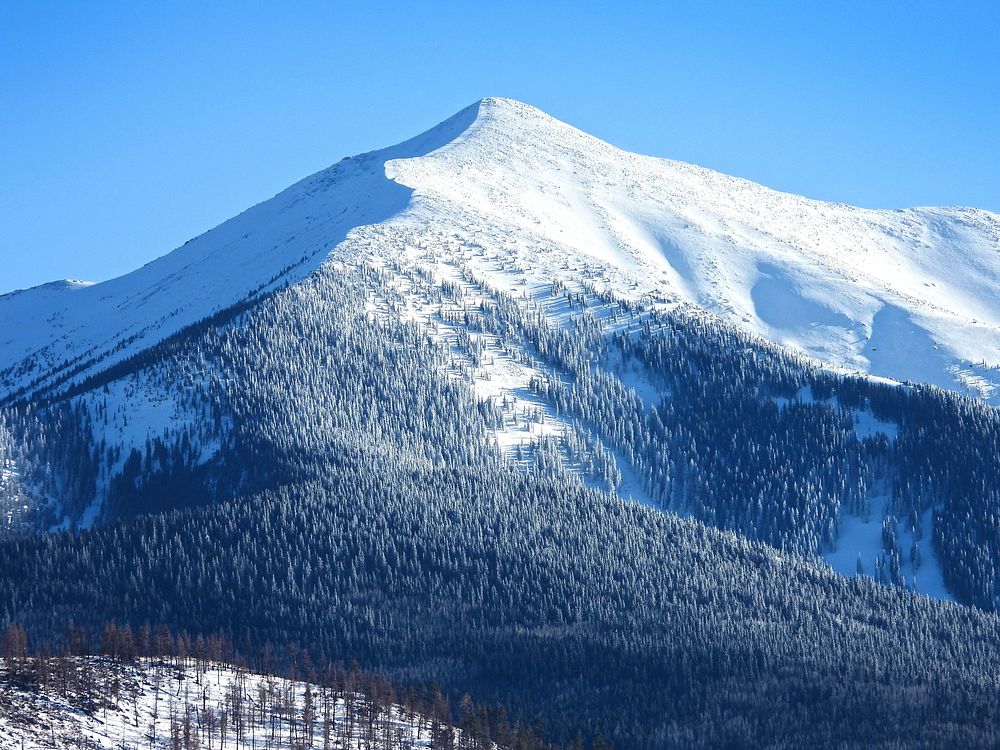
[556,601]
[334,482]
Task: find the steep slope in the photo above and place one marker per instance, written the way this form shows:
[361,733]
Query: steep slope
[908,295]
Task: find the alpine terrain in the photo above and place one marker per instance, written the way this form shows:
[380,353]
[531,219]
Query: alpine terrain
[636,450]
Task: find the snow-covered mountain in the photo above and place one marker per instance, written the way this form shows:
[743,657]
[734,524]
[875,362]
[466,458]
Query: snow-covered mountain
[399,412]
[496,232]
[524,200]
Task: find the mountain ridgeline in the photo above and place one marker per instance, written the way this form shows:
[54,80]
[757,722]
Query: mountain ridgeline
[465,456]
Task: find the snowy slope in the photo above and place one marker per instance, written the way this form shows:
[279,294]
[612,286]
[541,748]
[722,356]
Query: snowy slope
[72,328]
[911,294]
[157,701]
[907,294]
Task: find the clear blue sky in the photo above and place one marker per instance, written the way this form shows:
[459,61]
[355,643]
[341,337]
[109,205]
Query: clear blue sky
[128,127]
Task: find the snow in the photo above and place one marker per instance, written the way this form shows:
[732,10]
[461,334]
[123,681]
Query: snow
[58,328]
[867,425]
[633,376]
[861,538]
[903,294]
[135,410]
[823,278]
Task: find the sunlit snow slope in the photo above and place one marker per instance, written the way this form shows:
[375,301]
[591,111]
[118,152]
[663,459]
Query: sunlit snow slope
[156,704]
[907,294]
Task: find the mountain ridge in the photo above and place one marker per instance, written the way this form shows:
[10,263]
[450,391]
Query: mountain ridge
[834,282]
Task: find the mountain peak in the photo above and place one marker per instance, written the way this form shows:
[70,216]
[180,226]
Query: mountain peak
[512,117]
[499,105]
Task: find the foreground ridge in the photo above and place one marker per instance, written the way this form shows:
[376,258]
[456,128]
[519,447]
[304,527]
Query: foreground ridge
[188,699]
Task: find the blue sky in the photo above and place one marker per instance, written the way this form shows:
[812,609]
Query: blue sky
[127,128]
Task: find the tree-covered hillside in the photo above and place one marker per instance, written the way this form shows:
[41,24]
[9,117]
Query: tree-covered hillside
[689,415]
[549,598]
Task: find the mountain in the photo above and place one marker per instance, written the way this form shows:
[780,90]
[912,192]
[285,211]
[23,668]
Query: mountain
[579,431]
[503,199]
[906,294]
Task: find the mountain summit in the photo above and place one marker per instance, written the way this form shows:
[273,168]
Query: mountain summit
[904,294]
